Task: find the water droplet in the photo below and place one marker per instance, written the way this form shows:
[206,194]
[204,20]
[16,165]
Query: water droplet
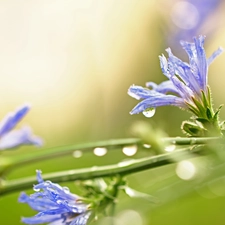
[170,148]
[59,202]
[150,112]
[100,151]
[66,189]
[147,146]
[130,150]
[77,154]
[186,170]
[36,189]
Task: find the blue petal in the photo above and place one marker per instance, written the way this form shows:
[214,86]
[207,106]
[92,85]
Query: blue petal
[164,87]
[55,204]
[201,61]
[184,71]
[40,219]
[184,91]
[214,55]
[81,219]
[36,203]
[198,61]
[39,177]
[156,100]
[16,138]
[138,92]
[11,119]
[164,65]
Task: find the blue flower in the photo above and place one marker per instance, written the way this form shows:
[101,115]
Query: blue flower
[55,205]
[188,18]
[12,138]
[187,84]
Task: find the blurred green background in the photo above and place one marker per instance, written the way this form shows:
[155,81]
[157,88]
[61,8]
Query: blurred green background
[73,61]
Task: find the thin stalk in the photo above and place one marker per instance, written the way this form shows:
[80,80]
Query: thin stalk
[26,158]
[122,169]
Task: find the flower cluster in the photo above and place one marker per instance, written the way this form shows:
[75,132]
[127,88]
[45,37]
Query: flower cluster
[55,205]
[13,138]
[187,85]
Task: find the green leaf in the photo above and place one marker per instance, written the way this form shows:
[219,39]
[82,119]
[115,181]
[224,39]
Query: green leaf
[136,194]
[202,120]
[200,107]
[205,99]
[193,109]
[216,115]
[209,113]
[192,129]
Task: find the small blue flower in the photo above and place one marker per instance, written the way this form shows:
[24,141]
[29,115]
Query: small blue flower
[55,205]
[186,81]
[12,138]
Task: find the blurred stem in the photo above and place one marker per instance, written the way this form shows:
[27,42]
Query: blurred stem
[9,163]
[22,160]
[122,168]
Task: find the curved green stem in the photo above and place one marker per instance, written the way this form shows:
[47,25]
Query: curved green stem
[44,154]
[7,164]
[123,168]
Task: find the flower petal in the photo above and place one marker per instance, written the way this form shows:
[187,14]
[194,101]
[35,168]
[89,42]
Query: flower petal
[40,219]
[164,87]
[55,204]
[81,219]
[16,138]
[138,92]
[155,100]
[11,119]
[214,55]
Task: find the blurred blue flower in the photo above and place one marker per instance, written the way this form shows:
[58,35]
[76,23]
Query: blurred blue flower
[190,18]
[55,205]
[186,81]
[13,138]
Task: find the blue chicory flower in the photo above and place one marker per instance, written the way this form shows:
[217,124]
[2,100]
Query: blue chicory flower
[55,205]
[186,81]
[10,138]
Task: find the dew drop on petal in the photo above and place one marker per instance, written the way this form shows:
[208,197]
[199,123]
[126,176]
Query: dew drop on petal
[36,189]
[130,150]
[100,151]
[150,112]
[77,154]
[66,189]
[59,202]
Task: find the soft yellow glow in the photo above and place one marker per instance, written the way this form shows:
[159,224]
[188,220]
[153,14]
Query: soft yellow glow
[186,170]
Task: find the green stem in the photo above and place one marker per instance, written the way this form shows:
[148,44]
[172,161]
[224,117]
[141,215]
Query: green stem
[123,168]
[50,153]
[12,162]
